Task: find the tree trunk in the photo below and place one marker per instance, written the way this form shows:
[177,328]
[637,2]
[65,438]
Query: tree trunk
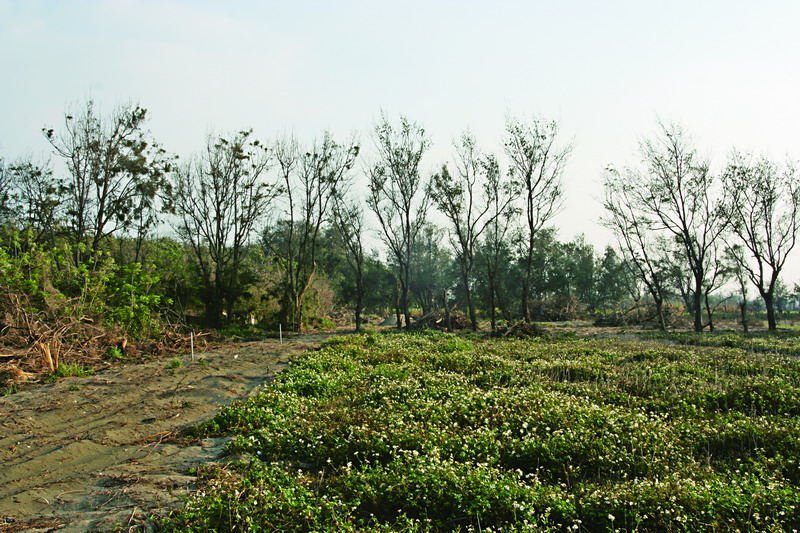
[473,318]
[526,281]
[446,310]
[213,312]
[229,309]
[406,269]
[298,313]
[214,305]
[503,307]
[492,304]
[769,303]
[399,323]
[492,307]
[710,315]
[662,321]
[404,301]
[743,311]
[525,309]
[359,298]
[698,306]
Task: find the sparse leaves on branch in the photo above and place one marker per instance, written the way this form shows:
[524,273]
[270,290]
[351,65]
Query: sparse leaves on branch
[115,171]
[310,179]
[761,205]
[398,195]
[537,158]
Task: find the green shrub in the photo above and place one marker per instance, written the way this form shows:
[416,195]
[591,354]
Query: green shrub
[68,370]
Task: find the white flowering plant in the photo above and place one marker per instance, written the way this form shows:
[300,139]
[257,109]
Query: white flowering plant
[442,432]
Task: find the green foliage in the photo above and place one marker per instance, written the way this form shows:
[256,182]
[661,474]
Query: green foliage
[435,432]
[323,322]
[67,370]
[114,352]
[117,295]
[23,269]
[174,363]
[785,342]
[87,305]
[132,304]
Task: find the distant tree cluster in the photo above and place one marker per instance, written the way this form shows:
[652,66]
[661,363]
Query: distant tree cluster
[283,231]
[687,231]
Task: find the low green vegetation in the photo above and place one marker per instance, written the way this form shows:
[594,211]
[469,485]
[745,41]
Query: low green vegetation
[435,432]
[174,363]
[782,341]
[67,370]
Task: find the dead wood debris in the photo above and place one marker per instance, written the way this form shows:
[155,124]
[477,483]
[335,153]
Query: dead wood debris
[439,320]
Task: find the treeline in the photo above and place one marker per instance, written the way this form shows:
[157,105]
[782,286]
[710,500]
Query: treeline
[686,230]
[283,231]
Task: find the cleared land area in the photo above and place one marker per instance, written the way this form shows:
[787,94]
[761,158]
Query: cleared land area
[91,453]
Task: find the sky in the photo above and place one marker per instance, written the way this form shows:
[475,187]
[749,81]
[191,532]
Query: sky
[728,71]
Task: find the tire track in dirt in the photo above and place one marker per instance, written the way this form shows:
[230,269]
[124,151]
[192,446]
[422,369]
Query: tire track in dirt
[92,454]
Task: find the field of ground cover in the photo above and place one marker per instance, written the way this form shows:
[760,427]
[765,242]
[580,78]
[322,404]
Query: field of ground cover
[436,432]
[782,341]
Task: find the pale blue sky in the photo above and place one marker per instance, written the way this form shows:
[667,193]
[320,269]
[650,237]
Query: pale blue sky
[728,70]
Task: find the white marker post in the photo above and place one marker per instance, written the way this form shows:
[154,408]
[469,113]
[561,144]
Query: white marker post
[191,343]
[280,332]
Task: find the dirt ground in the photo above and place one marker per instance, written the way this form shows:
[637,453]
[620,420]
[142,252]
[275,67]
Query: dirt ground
[102,453]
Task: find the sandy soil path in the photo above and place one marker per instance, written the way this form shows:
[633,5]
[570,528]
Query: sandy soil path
[99,453]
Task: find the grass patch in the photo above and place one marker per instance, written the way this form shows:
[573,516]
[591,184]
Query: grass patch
[437,432]
[69,370]
[174,363]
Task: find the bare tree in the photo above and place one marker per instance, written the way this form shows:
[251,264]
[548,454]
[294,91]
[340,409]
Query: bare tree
[537,161]
[348,219]
[219,197]
[115,171]
[677,192]
[310,179]
[500,194]
[471,201]
[397,194]
[762,203]
[458,199]
[634,232]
